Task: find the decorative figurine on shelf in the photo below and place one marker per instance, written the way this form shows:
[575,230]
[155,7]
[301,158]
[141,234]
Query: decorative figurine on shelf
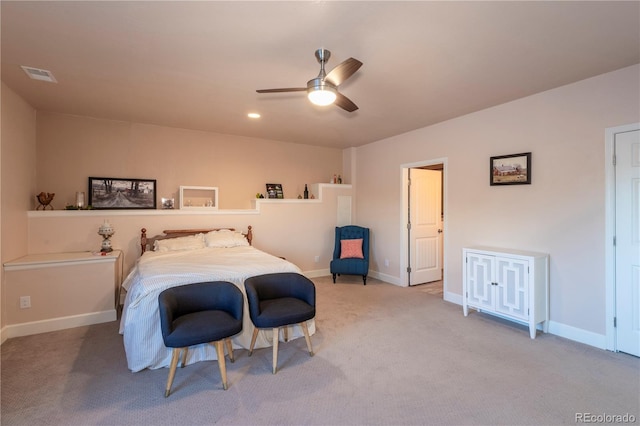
[339,179]
[45,199]
[306,192]
[106,231]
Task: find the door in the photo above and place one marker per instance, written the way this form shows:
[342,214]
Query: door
[425,216]
[512,276]
[627,247]
[479,276]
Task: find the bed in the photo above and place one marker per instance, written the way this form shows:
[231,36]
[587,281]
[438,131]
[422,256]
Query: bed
[180,257]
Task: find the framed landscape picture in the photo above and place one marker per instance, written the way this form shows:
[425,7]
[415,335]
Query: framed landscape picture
[514,169]
[115,193]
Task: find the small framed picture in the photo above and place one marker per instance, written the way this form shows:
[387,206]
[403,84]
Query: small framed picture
[514,169]
[115,193]
[167,203]
[274,190]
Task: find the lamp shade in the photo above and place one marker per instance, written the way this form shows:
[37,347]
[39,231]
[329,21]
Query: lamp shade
[321,92]
[322,97]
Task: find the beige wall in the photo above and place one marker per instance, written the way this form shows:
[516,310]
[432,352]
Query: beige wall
[57,153]
[71,148]
[560,213]
[18,174]
[298,230]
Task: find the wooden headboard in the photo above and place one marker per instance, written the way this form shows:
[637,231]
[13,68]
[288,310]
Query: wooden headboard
[175,233]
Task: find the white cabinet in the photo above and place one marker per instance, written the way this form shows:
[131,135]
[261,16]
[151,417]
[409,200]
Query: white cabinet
[512,284]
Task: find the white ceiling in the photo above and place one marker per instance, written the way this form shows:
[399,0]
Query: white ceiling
[197,65]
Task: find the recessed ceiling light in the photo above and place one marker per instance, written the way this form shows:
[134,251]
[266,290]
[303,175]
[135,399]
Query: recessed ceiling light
[253,115]
[39,74]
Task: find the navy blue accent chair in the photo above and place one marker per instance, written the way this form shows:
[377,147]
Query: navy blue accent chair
[350,266]
[279,300]
[192,314]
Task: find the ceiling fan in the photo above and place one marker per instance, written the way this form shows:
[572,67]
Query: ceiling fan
[323,90]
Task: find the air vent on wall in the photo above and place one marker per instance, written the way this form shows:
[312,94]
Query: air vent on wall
[38,74]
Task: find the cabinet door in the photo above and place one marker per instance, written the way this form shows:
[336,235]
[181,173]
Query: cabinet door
[479,280]
[512,278]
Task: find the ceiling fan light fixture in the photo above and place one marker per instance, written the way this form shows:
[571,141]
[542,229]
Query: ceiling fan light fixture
[322,97]
[321,92]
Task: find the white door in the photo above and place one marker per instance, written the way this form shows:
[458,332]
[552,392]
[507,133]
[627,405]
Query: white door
[627,265]
[480,278]
[512,284]
[425,215]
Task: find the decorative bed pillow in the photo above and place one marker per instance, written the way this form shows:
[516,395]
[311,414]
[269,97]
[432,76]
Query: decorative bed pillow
[191,242]
[351,249]
[225,238]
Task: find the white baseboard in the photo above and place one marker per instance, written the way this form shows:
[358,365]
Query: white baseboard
[453,298]
[374,274]
[316,273]
[44,326]
[386,278]
[54,324]
[558,329]
[578,335]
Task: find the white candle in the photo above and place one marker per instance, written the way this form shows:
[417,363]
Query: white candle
[80,199]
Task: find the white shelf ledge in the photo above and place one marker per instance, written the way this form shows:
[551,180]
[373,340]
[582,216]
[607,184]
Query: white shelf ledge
[318,187]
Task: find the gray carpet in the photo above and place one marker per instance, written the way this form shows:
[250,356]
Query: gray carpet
[384,356]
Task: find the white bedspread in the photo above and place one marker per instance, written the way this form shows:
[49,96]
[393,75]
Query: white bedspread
[157,271]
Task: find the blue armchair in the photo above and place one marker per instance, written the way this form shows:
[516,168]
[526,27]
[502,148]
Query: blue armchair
[347,258]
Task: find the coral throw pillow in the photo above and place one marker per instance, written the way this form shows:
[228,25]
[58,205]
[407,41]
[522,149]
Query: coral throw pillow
[351,249]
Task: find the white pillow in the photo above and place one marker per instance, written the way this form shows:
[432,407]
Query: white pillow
[225,238]
[191,242]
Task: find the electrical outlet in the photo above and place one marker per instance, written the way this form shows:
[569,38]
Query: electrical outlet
[25,302]
[317,259]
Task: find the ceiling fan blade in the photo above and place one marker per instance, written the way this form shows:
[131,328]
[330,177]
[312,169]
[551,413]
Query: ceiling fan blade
[343,71]
[345,103]
[288,89]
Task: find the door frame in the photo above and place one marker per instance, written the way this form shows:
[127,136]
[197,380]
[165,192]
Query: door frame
[610,227]
[404,206]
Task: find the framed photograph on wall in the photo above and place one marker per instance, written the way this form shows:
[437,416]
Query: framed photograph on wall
[514,169]
[274,190]
[114,193]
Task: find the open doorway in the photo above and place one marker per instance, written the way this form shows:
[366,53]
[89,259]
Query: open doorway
[423,225]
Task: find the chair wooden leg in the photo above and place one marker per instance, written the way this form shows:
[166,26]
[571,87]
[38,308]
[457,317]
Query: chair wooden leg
[285,332]
[275,350]
[334,278]
[229,349]
[253,340]
[305,330]
[364,279]
[183,361]
[172,370]
[221,364]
